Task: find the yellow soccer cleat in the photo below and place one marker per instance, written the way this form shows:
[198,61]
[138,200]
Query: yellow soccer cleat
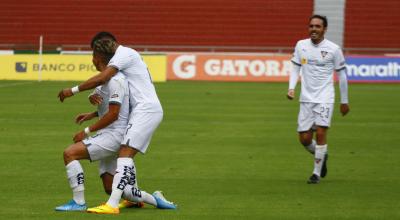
[103,209]
[129,204]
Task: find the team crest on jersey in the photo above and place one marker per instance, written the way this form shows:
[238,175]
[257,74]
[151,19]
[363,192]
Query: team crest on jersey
[324,53]
[303,61]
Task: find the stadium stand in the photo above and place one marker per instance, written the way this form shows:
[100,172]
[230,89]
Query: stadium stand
[172,23]
[372,24]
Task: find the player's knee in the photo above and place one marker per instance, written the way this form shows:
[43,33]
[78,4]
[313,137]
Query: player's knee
[305,142]
[68,155]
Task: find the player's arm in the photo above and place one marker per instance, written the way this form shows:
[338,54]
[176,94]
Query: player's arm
[106,120]
[294,74]
[340,67]
[85,117]
[343,86]
[91,83]
[293,78]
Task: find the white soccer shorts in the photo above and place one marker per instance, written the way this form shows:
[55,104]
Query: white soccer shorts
[314,114]
[140,129]
[104,146]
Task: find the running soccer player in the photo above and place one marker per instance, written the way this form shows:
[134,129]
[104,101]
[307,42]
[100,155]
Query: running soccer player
[145,116]
[113,112]
[317,58]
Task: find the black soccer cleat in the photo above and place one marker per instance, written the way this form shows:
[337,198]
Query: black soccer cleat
[324,170]
[314,179]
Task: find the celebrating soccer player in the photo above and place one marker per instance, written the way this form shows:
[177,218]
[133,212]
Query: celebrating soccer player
[145,116]
[317,58]
[113,111]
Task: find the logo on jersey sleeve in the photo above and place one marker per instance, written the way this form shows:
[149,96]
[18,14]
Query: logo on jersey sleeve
[114,96]
[303,61]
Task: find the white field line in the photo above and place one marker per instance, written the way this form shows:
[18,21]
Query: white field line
[15,84]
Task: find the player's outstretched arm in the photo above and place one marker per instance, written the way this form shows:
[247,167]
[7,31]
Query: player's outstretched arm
[343,86]
[106,120]
[99,79]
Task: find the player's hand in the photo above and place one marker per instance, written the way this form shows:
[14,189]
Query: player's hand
[344,109]
[65,93]
[95,99]
[290,94]
[79,136]
[84,117]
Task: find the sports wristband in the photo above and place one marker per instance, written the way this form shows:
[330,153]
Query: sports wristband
[87,131]
[75,89]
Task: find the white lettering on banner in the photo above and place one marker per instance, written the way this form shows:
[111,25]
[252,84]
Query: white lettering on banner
[211,67]
[184,66]
[389,70]
[257,68]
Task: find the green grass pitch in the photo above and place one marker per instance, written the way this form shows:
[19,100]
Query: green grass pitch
[223,151]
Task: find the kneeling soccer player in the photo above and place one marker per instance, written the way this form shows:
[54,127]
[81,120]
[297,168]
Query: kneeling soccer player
[113,111]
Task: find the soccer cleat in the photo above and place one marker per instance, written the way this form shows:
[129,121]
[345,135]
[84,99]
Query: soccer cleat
[314,179]
[324,170]
[129,204]
[163,203]
[103,209]
[71,206]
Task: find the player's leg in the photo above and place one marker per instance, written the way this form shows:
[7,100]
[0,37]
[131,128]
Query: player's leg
[107,182]
[323,113]
[321,151]
[75,175]
[306,139]
[305,122]
[131,190]
[107,167]
[138,135]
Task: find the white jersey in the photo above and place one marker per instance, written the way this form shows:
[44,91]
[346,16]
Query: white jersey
[143,97]
[318,63]
[115,91]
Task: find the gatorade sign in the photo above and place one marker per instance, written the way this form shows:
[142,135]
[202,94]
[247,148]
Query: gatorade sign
[228,67]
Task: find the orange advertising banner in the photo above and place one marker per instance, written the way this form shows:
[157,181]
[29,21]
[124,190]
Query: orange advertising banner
[228,67]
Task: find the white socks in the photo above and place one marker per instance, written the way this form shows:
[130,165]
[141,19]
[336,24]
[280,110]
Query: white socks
[76,181]
[311,148]
[124,175]
[320,151]
[133,194]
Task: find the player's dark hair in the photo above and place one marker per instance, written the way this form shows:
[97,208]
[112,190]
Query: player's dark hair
[323,18]
[102,35]
[104,46]
[105,57]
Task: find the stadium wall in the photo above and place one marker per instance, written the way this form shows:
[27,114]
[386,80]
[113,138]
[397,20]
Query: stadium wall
[65,67]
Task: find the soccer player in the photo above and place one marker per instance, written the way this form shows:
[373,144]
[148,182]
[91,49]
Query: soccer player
[145,116]
[113,112]
[317,58]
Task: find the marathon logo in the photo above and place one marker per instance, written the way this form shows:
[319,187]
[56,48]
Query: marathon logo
[389,70]
[369,68]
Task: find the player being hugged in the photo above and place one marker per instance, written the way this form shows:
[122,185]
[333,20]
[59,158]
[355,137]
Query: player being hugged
[145,116]
[113,111]
[317,58]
